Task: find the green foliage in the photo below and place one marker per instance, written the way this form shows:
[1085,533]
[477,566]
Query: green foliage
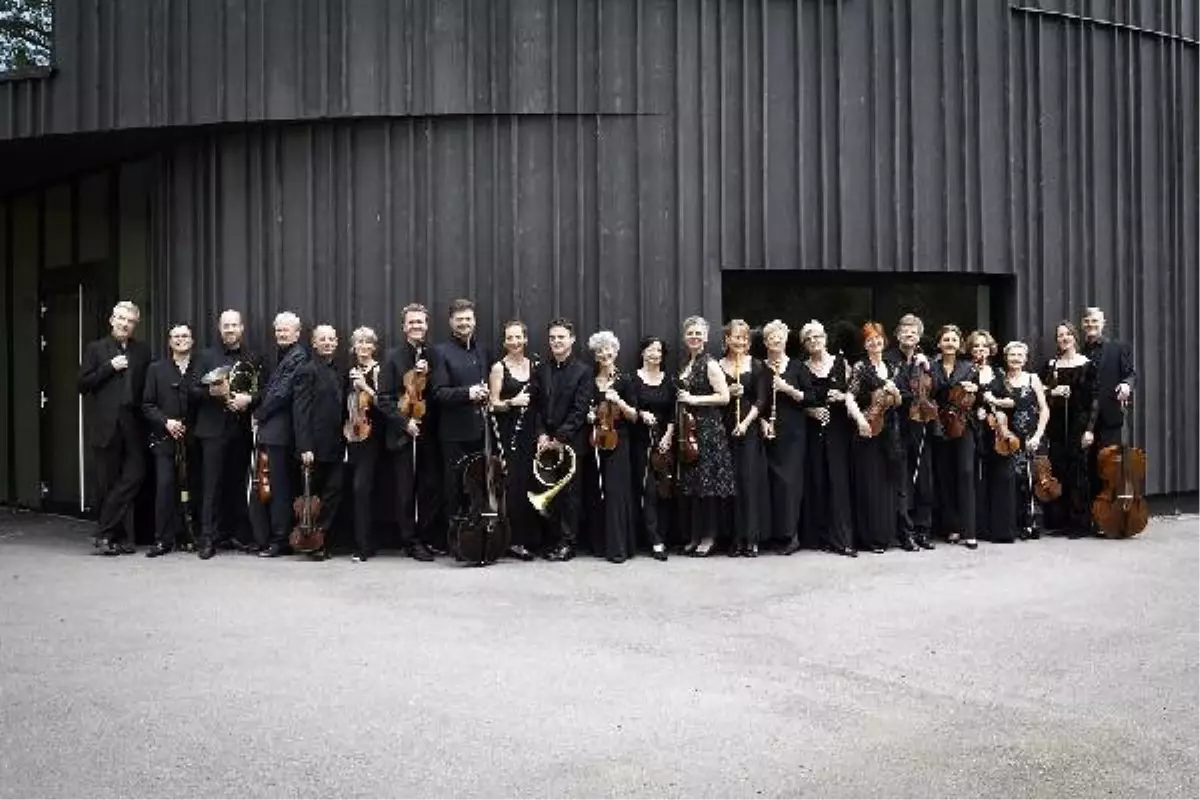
[26,33]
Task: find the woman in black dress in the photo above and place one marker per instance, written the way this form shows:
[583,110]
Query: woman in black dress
[608,472]
[1071,379]
[364,452]
[510,383]
[827,512]
[654,398]
[706,483]
[750,390]
[783,431]
[876,457]
[954,452]
[1025,403]
[995,501]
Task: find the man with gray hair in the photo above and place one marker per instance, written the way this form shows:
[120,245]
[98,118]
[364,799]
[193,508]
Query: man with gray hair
[111,375]
[273,419]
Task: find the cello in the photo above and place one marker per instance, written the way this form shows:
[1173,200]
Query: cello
[1120,510]
[480,533]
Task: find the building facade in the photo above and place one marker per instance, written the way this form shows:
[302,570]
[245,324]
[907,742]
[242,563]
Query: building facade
[995,163]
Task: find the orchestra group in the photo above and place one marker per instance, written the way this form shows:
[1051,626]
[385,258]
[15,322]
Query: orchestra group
[691,453]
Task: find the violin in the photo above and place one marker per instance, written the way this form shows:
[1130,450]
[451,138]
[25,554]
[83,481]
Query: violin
[881,401]
[1046,487]
[956,413]
[1006,442]
[604,430]
[358,426]
[307,536]
[923,409]
[412,403]
[1120,509]
[685,427]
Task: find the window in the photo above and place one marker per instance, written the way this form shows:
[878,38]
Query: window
[26,34]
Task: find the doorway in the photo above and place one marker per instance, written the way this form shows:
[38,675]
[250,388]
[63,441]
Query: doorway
[74,310]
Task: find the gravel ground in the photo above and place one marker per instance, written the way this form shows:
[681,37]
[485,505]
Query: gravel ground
[1049,668]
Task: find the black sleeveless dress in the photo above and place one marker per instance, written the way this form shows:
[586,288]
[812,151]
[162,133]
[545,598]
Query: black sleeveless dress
[827,512]
[1070,418]
[712,474]
[515,436]
[750,515]
[655,511]
[877,465]
[1024,424]
[785,457]
[609,517]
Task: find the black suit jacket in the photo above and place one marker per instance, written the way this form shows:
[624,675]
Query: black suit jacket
[456,369]
[274,413]
[213,419]
[167,395]
[1114,364]
[319,410]
[391,388]
[563,409]
[106,391]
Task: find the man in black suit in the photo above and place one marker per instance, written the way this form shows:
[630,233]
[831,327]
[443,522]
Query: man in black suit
[111,376]
[411,441]
[1115,380]
[223,429]
[273,419]
[319,411]
[460,390]
[563,399]
[166,406]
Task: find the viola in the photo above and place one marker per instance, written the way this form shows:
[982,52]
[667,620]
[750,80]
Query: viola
[1046,487]
[661,465]
[956,413]
[1120,509]
[685,426]
[307,536]
[923,409]
[1006,442]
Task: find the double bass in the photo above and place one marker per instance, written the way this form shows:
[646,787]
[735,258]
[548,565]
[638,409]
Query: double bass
[1120,509]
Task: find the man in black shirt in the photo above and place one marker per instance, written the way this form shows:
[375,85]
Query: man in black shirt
[167,407]
[111,376]
[460,390]
[319,411]
[223,428]
[411,441]
[275,431]
[1115,380]
[563,398]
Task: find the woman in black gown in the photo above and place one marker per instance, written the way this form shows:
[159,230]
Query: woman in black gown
[954,457]
[995,501]
[608,473]
[511,386]
[750,390]
[1071,379]
[783,431]
[654,398]
[364,452]
[827,512]
[876,458]
[708,482]
[1024,401]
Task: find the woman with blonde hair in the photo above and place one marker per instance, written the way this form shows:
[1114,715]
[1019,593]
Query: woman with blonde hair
[750,390]
[784,434]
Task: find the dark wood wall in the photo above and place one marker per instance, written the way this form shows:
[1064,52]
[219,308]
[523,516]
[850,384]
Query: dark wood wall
[610,159]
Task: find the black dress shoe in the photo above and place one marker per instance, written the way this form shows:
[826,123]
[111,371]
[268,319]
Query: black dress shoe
[971,544]
[924,543]
[418,551]
[751,551]
[793,546]
[207,552]
[520,552]
[659,553]
[908,544]
[564,553]
[848,552]
[127,548]
[113,549]
[689,548]
[274,551]
[157,550]
[877,550]
[435,549]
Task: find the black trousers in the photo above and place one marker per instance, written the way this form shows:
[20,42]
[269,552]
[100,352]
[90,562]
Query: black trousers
[365,458]
[326,483]
[223,515]
[916,496]
[561,525]
[169,520]
[120,469]
[452,453]
[282,466]
[418,496]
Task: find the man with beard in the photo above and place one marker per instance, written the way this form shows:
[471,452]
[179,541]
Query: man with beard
[167,407]
[915,501]
[273,419]
[111,376]
[411,441]
[223,428]
[318,415]
[1115,379]
[460,390]
[564,396]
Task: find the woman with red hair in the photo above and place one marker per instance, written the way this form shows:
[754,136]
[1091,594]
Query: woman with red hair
[876,451]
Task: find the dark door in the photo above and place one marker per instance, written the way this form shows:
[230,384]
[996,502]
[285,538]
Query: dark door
[75,305]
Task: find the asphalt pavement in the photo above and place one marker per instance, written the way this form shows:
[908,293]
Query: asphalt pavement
[1037,669]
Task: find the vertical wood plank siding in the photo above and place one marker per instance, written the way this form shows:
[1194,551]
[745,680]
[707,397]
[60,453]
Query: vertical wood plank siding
[608,159]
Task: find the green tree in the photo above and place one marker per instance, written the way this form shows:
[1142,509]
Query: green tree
[26,33]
